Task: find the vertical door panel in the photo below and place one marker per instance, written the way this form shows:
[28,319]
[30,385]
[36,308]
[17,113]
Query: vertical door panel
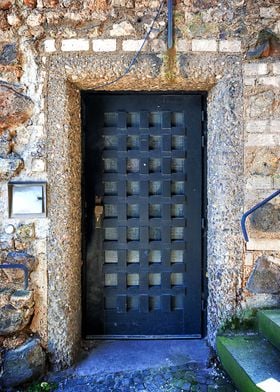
[143,176]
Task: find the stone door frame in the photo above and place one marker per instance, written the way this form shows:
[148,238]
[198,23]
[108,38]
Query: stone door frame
[218,74]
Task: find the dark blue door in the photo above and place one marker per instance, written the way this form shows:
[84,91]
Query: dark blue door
[143,194]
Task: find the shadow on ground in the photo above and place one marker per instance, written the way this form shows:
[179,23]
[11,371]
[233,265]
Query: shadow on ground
[143,366]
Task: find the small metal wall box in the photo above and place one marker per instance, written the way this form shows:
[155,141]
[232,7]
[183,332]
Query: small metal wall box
[27,199]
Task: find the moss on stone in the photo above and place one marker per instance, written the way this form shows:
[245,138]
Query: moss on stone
[245,321]
[232,367]
[269,325]
[249,360]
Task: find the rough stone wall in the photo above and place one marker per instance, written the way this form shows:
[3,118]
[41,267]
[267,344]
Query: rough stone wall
[50,49]
[262,168]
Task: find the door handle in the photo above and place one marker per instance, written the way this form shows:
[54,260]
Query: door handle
[98,212]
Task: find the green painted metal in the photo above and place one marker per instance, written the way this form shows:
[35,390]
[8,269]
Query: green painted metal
[233,368]
[249,361]
[269,325]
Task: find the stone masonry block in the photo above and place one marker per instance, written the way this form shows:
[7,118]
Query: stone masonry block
[5,296]
[257,126]
[273,81]
[263,161]
[158,45]
[8,55]
[49,45]
[252,69]
[123,3]
[260,244]
[259,182]
[275,126]
[25,363]
[22,258]
[122,29]
[248,258]
[5,144]
[5,4]
[25,231]
[38,165]
[276,68]
[132,45]
[6,245]
[231,46]
[104,45]
[22,299]
[263,140]
[10,166]
[276,182]
[74,45]
[260,105]
[204,45]
[249,81]
[13,320]
[14,278]
[266,219]
[15,107]
[265,277]
[183,45]
[268,12]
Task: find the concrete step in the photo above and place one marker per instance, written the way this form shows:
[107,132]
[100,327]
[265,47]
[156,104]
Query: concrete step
[269,325]
[252,363]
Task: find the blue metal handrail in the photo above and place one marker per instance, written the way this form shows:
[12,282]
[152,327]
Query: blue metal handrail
[170,24]
[18,266]
[249,212]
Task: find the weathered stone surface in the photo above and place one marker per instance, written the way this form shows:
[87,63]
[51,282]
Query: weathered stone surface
[96,5]
[5,144]
[6,4]
[122,29]
[8,54]
[264,162]
[7,244]
[261,105]
[35,20]
[266,218]
[15,277]
[23,364]
[12,342]
[30,3]
[51,3]
[122,3]
[10,166]
[25,231]
[265,277]
[22,299]
[15,107]
[13,20]
[3,22]
[22,258]
[13,320]
[268,44]
[5,295]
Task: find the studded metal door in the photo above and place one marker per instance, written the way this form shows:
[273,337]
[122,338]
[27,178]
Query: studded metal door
[143,180]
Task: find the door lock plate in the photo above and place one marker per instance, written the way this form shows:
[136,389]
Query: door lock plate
[98,213]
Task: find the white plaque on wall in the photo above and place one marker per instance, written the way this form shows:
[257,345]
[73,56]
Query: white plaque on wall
[27,199]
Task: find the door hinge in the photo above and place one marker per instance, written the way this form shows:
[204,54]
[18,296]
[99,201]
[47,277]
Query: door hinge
[203,141]
[202,115]
[203,223]
[203,305]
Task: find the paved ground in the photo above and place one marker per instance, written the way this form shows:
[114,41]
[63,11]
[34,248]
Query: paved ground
[144,366]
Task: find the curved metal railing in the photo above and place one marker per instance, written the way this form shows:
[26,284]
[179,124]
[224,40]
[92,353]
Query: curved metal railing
[249,212]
